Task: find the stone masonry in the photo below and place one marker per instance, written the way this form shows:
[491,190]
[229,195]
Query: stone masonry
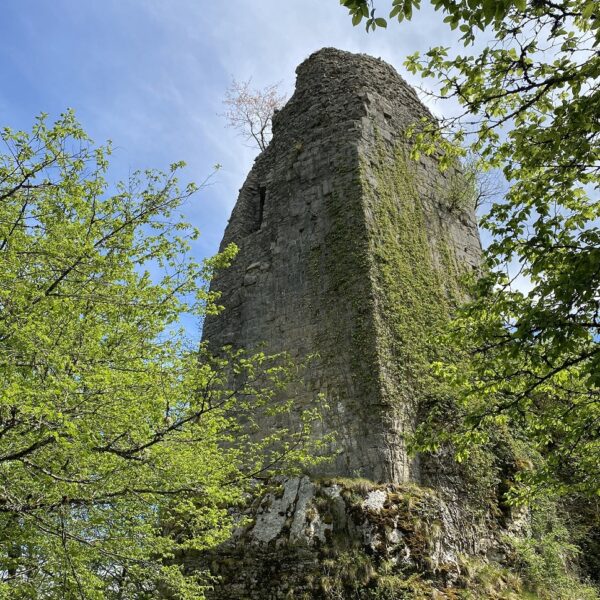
[349,249]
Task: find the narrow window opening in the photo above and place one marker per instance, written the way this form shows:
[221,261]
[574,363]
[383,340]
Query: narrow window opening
[262,193]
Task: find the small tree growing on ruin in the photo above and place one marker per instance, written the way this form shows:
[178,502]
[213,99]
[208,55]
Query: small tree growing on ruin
[250,110]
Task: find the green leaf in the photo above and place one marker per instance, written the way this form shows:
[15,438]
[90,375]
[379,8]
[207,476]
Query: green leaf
[489,9]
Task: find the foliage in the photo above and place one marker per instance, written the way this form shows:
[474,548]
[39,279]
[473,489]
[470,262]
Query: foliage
[530,97]
[546,561]
[250,111]
[120,446]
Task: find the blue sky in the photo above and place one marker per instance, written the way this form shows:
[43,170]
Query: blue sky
[150,75]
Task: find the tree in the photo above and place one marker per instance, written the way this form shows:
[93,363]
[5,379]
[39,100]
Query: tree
[120,443]
[250,111]
[531,103]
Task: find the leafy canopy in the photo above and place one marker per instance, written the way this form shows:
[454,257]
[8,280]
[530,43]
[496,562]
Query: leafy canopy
[530,99]
[120,445]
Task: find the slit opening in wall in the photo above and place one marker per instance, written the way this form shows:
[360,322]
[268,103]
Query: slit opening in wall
[262,194]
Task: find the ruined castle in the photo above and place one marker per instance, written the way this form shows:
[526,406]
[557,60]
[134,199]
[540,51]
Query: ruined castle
[350,250]
[353,249]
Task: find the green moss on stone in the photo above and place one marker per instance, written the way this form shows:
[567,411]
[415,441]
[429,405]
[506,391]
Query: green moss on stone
[414,294]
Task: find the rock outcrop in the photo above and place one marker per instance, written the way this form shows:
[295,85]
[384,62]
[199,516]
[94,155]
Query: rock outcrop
[337,539]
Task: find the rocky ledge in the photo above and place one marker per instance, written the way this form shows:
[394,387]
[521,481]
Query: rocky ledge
[351,538]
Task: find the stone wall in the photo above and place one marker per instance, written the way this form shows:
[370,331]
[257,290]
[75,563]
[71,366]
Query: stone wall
[350,250]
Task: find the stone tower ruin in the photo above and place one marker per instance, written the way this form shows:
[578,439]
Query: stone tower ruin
[351,250]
